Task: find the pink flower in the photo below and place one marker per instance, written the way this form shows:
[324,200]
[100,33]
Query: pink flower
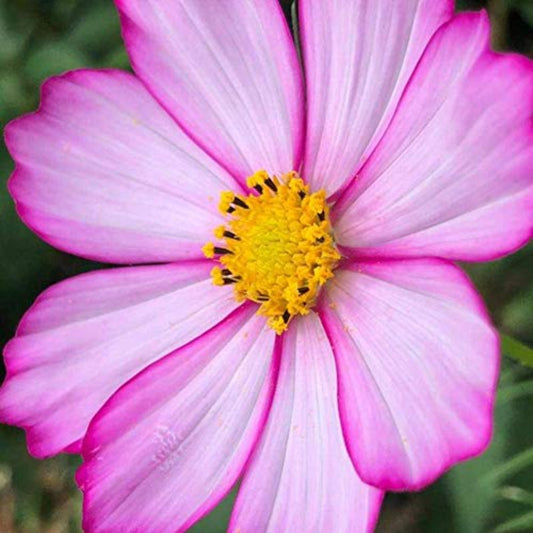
[173,388]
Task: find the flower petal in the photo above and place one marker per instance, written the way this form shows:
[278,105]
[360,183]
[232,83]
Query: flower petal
[86,336]
[418,363]
[300,477]
[103,172]
[228,72]
[453,176]
[171,443]
[359,55]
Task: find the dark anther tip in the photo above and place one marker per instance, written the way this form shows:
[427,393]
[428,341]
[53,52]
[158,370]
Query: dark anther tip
[271,185]
[222,251]
[240,203]
[231,235]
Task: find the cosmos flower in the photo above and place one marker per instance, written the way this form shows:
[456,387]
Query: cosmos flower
[327,348]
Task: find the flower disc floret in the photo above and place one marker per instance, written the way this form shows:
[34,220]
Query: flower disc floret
[277,247]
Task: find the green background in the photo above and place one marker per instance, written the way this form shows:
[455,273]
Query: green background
[494,493]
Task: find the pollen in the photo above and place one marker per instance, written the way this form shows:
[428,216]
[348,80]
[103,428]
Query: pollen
[277,247]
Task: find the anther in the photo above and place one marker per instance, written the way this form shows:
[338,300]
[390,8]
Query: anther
[231,235]
[277,248]
[271,185]
[222,251]
[240,203]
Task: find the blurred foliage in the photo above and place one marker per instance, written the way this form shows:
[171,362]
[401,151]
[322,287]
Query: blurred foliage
[517,350]
[494,493]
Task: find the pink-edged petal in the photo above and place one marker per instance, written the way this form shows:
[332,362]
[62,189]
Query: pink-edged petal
[103,172]
[300,477]
[171,443]
[228,72]
[453,176]
[359,55]
[418,363]
[86,336]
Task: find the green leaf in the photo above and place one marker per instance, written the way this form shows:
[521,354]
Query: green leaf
[11,41]
[510,467]
[517,351]
[521,523]
[217,521]
[518,390]
[12,95]
[52,58]
[296,28]
[118,58]
[525,7]
[470,493]
[97,31]
[518,495]
[516,315]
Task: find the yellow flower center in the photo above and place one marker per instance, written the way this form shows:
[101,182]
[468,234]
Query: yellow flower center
[276,248]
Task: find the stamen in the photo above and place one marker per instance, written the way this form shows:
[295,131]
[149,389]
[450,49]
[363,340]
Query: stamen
[222,251]
[278,248]
[209,250]
[240,203]
[230,235]
[271,185]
